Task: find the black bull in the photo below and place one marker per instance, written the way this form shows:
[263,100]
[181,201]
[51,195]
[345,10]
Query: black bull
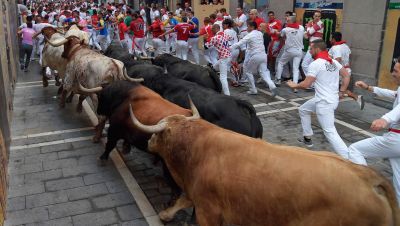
[225,111]
[183,69]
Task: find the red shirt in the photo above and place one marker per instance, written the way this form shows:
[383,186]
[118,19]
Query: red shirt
[137,26]
[122,30]
[183,31]
[95,20]
[207,30]
[259,21]
[156,28]
[274,25]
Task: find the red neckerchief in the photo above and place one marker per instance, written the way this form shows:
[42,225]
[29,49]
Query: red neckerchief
[294,25]
[212,21]
[323,55]
[339,43]
[271,21]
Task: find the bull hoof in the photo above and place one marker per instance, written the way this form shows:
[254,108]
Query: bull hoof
[101,162]
[58,83]
[69,99]
[165,217]
[62,105]
[45,82]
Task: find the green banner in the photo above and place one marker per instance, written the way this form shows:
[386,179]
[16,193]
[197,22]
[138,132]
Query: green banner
[394,5]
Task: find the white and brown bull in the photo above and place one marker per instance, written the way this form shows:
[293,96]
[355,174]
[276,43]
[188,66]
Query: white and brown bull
[233,179]
[87,71]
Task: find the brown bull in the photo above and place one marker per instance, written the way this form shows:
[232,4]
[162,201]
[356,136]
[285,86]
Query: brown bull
[115,102]
[234,179]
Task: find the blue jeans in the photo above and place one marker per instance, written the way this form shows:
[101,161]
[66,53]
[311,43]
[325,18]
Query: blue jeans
[25,54]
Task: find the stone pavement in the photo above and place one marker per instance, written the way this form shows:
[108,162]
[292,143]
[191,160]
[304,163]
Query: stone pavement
[281,122]
[53,174]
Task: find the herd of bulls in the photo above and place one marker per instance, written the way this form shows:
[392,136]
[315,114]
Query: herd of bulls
[213,152]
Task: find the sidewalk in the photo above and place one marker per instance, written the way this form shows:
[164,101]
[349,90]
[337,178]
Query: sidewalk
[53,174]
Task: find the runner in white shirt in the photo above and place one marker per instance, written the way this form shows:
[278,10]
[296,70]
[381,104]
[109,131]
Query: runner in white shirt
[340,51]
[387,145]
[241,23]
[256,58]
[324,73]
[293,48]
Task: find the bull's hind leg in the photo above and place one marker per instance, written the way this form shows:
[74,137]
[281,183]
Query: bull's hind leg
[57,78]
[44,77]
[62,99]
[169,213]
[99,129]
[112,138]
[69,98]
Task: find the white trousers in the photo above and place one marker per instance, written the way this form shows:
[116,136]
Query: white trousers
[182,49]
[158,45]
[138,45]
[326,117]
[211,55]
[386,146]
[40,49]
[254,63]
[287,56]
[170,42]
[194,46]
[222,67]
[93,39]
[128,42]
[307,60]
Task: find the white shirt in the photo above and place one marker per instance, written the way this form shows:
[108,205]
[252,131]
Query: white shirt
[154,13]
[254,41]
[343,51]
[242,18]
[178,11]
[294,38]
[232,36]
[393,116]
[327,79]
[219,22]
[143,14]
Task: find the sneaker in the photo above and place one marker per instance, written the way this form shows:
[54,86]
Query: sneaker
[251,92]
[295,91]
[259,81]
[274,92]
[361,102]
[306,141]
[278,82]
[22,67]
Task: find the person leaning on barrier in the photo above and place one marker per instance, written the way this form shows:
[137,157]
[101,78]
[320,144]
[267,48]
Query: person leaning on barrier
[387,145]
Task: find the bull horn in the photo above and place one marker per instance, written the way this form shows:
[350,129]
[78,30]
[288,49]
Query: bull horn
[148,129]
[195,112]
[92,90]
[133,79]
[146,58]
[58,43]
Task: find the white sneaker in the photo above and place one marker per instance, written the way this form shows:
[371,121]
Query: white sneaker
[259,81]
[251,92]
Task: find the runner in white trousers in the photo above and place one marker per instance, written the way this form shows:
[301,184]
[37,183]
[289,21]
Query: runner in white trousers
[387,145]
[293,48]
[256,58]
[324,73]
[220,41]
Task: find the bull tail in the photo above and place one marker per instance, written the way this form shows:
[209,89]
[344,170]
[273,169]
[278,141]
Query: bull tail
[214,77]
[123,72]
[256,126]
[390,196]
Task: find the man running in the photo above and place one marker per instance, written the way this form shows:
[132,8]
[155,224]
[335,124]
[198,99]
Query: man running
[324,73]
[220,41]
[256,59]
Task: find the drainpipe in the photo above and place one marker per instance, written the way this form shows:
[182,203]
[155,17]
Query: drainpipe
[382,39]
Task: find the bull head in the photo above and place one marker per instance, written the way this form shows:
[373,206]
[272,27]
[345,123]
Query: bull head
[163,123]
